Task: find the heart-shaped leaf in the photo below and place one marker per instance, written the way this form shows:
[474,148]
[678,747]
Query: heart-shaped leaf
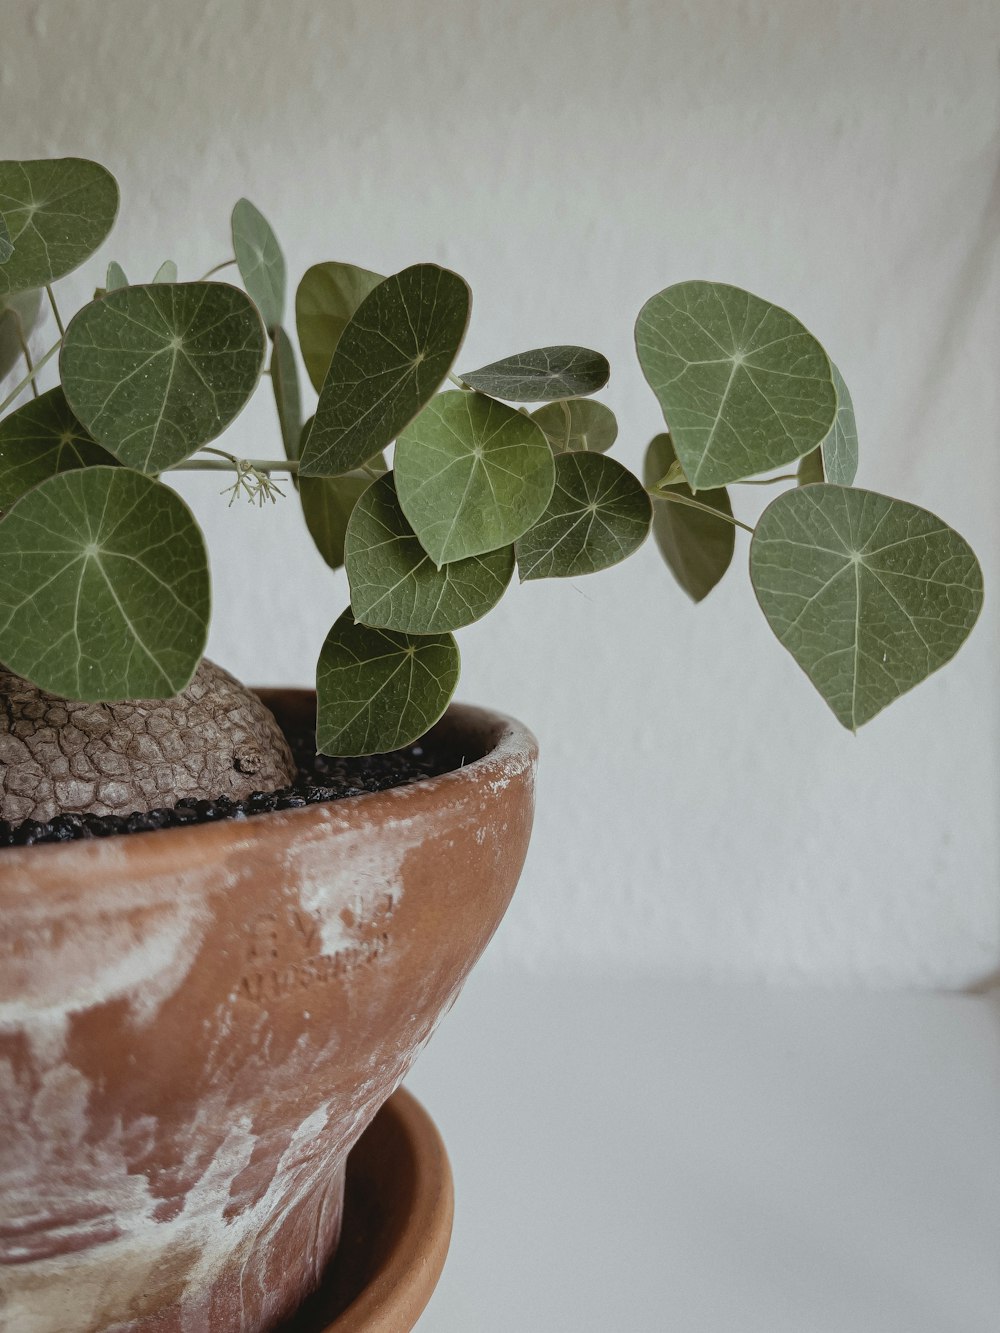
[154,372]
[472,475]
[57,211]
[167,272]
[697,548]
[599,514]
[542,374]
[260,261]
[18,316]
[393,355]
[104,590]
[577,423]
[869,594]
[325,301]
[116,277]
[836,459]
[394,583]
[6,248]
[378,690]
[287,398]
[40,439]
[743,386]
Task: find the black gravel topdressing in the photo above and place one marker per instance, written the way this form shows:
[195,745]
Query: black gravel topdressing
[319,778]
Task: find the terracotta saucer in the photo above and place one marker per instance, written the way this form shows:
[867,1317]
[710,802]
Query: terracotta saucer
[398,1209]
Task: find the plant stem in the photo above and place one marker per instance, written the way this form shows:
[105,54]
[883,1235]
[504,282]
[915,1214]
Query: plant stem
[228,463]
[30,377]
[767,481]
[55,310]
[455,380]
[26,352]
[218,268]
[696,504]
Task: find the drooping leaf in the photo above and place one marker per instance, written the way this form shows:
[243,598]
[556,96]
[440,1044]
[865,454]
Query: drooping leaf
[325,301]
[542,374]
[287,398]
[6,248]
[104,590]
[743,386]
[327,504]
[19,313]
[697,548]
[260,261]
[154,372]
[836,459]
[810,469]
[577,423]
[115,278]
[393,355]
[378,690]
[472,475]
[40,439]
[394,583]
[167,272]
[57,211]
[598,515]
[869,594]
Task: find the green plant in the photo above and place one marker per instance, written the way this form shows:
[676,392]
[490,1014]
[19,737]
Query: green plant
[104,582]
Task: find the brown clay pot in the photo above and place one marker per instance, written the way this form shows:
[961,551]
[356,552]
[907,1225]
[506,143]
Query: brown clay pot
[197,1024]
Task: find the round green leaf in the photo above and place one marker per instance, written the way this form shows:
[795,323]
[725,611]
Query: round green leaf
[115,277]
[325,301]
[394,583]
[391,358]
[472,475]
[19,314]
[327,505]
[57,211]
[167,272]
[287,398]
[260,261]
[743,386]
[104,590]
[154,372]
[598,515]
[577,423]
[378,690]
[869,594]
[542,374]
[6,249]
[40,439]
[697,548]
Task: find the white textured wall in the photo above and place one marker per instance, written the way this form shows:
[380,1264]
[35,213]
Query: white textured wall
[700,810]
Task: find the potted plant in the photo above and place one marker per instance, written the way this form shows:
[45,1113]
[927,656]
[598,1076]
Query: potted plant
[198,1021]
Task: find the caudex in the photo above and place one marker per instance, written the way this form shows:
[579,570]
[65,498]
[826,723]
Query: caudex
[104,575]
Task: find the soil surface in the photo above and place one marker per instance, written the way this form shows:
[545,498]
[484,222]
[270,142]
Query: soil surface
[319,778]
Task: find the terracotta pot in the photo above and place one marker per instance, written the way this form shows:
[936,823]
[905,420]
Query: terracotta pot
[197,1024]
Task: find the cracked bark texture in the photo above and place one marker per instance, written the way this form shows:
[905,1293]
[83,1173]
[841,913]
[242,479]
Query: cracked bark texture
[214,739]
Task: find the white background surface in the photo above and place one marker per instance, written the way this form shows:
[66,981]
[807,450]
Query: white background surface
[701,814]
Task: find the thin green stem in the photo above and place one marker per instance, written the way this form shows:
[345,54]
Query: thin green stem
[229,462]
[55,310]
[26,352]
[455,380]
[218,268]
[30,377]
[767,481]
[697,504]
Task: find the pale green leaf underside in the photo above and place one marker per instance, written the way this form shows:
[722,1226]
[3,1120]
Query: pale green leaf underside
[154,372]
[472,475]
[696,548]
[260,262]
[19,314]
[115,278]
[287,398]
[542,374]
[840,448]
[869,594]
[378,690]
[391,358]
[577,423]
[57,212]
[327,505]
[394,582]
[167,272]
[325,301]
[743,386]
[598,515]
[6,248]
[104,589]
[40,439]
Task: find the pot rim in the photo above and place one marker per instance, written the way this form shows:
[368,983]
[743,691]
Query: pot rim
[504,749]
